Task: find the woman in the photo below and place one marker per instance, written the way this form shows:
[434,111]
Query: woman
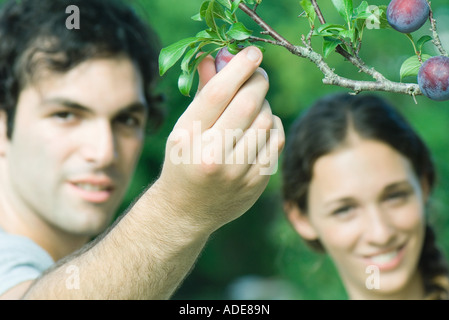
[356,178]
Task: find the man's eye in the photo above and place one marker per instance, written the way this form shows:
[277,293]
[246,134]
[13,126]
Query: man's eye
[128,120]
[343,210]
[64,116]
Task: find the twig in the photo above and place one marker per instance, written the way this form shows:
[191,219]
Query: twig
[354,59]
[258,39]
[318,12]
[255,7]
[436,38]
[269,30]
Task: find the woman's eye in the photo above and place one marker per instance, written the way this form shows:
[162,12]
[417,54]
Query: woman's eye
[397,196]
[343,210]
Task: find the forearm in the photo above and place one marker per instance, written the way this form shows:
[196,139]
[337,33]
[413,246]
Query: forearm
[145,256]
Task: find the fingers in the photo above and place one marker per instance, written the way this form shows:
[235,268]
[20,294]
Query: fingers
[218,90]
[268,156]
[246,105]
[254,137]
[230,122]
[257,151]
[206,70]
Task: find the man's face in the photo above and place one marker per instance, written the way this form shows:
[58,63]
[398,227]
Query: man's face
[76,141]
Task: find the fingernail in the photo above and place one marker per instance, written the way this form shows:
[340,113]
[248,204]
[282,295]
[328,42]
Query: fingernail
[253,54]
[264,73]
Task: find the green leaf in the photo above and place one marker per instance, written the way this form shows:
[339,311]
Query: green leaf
[384,24]
[328,29]
[219,11]
[203,9]
[207,34]
[171,54]
[187,57]
[185,80]
[422,41]
[225,3]
[309,10]
[230,16]
[197,17]
[239,32]
[362,8]
[344,8]
[410,67]
[351,34]
[210,17]
[233,48]
[235,5]
[329,45]
[222,31]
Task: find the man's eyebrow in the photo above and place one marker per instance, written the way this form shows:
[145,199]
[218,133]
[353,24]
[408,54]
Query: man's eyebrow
[66,103]
[136,106]
[397,185]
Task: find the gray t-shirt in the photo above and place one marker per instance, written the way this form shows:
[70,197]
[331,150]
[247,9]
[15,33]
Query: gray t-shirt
[20,260]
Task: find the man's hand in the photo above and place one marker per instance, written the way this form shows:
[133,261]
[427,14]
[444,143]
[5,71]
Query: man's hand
[207,180]
[220,152]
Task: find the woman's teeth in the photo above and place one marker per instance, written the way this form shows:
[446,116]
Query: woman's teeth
[385,257]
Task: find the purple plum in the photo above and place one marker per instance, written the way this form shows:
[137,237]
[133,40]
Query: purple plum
[222,59]
[407,16]
[433,78]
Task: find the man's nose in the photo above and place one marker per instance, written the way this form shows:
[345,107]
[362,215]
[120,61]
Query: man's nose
[99,145]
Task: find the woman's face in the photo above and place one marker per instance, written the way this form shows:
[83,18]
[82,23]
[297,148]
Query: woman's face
[366,207]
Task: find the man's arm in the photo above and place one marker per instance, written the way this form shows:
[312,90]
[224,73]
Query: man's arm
[148,253]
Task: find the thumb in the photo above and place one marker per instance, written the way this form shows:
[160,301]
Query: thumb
[206,70]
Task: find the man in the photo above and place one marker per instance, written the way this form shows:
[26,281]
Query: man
[74,106]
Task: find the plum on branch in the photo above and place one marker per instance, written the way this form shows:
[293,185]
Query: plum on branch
[433,78]
[407,16]
[225,30]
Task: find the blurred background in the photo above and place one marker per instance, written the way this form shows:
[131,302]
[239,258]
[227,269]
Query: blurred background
[259,256]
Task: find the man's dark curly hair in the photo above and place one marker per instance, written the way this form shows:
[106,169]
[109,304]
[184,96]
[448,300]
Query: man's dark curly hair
[34,37]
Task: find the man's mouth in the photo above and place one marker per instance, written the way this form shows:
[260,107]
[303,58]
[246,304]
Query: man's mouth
[89,187]
[93,189]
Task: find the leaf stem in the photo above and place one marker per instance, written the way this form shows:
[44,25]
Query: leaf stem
[418,53]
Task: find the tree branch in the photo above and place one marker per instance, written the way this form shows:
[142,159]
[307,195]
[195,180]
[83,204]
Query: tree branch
[318,11]
[269,30]
[355,60]
[330,77]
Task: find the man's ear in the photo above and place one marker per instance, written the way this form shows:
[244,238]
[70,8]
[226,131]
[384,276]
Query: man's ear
[3,132]
[300,221]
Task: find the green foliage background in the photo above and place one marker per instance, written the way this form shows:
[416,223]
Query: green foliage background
[260,247]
